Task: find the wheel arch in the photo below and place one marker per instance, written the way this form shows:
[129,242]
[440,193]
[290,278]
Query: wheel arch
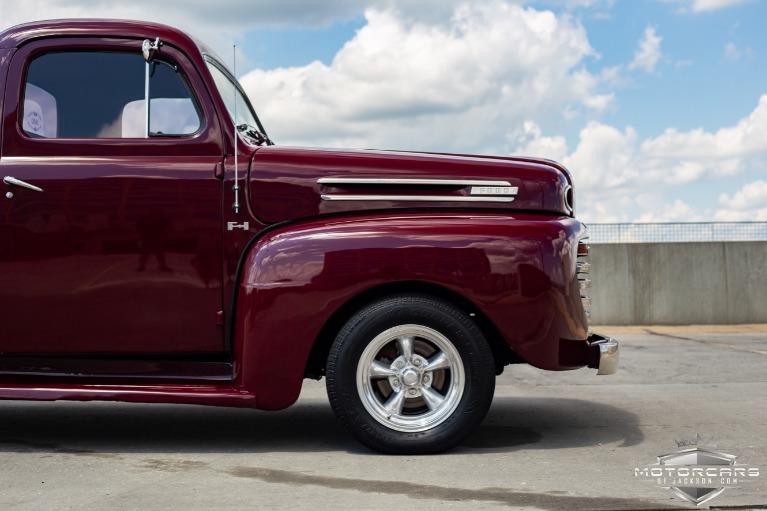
[302,282]
[315,366]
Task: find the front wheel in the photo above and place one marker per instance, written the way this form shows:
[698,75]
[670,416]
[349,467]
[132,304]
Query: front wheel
[410,374]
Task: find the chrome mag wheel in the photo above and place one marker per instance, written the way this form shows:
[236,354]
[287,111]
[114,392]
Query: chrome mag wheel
[410,378]
[410,374]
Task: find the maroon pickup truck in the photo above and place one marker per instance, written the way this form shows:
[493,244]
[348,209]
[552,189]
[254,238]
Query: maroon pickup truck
[156,246]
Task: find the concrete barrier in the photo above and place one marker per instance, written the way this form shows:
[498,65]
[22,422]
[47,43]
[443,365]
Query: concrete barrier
[679,283]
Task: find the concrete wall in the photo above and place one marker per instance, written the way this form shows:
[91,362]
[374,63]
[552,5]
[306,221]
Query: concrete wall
[678,283]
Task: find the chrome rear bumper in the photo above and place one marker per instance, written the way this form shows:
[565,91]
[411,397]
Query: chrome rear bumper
[609,353]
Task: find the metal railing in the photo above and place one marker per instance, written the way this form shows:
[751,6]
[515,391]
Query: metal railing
[677,232]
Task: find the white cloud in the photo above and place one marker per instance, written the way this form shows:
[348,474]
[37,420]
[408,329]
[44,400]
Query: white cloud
[714,5]
[576,4]
[464,85]
[734,54]
[604,156]
[197,18]
[600,102]
[731,52]
[435,74]
[234,14]
[699,6]
[620,177]
[646,57]
[744,139]
[649,53]
[472,76]
[656,210]
[220,23]
[529,141]
[226,19]
[747,204]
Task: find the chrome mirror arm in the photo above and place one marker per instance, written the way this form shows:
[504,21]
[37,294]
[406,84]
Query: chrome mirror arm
[148,49]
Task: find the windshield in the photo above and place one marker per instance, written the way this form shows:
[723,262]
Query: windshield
[246,121]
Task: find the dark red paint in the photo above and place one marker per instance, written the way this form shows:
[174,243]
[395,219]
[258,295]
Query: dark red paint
[121,281]
[283,180]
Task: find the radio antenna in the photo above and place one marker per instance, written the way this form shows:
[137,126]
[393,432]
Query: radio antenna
[236,186]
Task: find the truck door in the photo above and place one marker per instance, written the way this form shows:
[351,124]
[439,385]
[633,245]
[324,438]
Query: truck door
[110,240]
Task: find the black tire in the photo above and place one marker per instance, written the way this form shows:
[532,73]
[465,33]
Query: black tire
[410,374]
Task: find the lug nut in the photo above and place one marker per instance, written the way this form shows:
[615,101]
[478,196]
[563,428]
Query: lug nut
[417,362]
[395,382]
[412,392]
[426,378]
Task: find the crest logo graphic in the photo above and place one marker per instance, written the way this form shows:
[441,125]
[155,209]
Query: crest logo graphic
[697,473]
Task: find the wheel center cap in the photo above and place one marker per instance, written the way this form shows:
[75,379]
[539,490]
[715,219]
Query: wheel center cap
[410,377]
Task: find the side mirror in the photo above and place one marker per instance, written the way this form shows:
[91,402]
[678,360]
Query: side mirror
[149,48]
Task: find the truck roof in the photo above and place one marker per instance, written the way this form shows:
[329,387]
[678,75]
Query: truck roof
[113,28]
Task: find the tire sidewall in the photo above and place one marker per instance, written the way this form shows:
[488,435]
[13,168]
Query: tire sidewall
[452,323]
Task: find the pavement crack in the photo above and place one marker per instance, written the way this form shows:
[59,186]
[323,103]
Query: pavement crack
[546,501]
[707,343]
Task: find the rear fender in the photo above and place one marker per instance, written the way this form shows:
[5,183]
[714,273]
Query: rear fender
[297,276]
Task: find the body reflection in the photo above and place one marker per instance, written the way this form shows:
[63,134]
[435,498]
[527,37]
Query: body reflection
[153,233]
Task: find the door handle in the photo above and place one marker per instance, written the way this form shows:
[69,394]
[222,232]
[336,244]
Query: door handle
[18,182]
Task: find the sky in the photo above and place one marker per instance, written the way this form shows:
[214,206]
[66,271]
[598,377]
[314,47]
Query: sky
[657,107]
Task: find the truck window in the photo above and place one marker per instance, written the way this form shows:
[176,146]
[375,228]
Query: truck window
[235,100]
[101,95]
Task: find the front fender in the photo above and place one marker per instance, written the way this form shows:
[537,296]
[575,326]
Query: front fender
[518,270]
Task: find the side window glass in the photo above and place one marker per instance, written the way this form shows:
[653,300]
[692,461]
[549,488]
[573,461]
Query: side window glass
[39,106]
[101,95]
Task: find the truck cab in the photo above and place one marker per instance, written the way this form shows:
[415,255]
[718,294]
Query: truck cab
[156,246]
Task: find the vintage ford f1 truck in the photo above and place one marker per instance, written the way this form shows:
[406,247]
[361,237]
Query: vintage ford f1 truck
[156,246]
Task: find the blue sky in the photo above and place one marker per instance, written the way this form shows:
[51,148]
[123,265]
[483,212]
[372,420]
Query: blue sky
[658,107]
[695,84]
[273,47]
[694,67]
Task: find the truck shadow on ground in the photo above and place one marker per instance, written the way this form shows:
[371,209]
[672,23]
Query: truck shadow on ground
[551,423]
[68,427]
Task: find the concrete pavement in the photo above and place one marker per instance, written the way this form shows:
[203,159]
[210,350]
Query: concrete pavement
[551,441]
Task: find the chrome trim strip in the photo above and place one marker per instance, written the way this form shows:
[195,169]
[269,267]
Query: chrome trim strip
[584,283]
[407,181]
[568,203]
[586,301]
[494,190]
[582,267]
[418,198]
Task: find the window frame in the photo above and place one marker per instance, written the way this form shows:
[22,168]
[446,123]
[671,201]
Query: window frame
[17,142]
[209,59]
[158,61]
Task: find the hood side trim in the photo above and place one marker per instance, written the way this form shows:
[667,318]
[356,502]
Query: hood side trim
[418,198]
[332,181]
[479,190]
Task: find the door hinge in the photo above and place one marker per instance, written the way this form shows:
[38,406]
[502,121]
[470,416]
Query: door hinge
[230,226]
